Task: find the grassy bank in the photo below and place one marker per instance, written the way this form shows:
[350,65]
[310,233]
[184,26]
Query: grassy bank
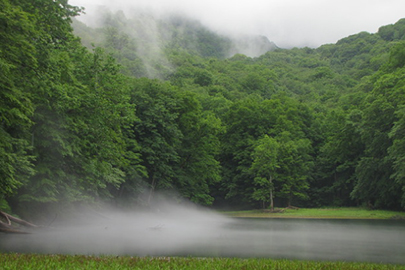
[336,213]
[33,261]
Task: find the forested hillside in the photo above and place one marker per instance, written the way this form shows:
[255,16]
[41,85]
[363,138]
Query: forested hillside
[120,116]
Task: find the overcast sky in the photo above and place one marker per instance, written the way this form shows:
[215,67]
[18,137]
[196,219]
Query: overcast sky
[288,23]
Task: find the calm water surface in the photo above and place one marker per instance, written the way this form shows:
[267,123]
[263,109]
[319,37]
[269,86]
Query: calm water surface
[213,235]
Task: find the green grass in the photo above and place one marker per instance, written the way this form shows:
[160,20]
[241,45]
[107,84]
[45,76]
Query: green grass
[337,213]
[54,262]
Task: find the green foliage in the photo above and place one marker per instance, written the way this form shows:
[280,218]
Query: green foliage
[62,124]
[338,158]
[295,165]
[265,168]
[17,64]
[376,182]
[397,56]
[307,126]
[395,152]
[393,32]
[249,120]
[178,142]
[199,167]
[156,130]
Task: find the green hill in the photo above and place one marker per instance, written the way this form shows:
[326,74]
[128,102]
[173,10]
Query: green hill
[167,106]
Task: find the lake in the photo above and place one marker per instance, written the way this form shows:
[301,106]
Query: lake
[199,233]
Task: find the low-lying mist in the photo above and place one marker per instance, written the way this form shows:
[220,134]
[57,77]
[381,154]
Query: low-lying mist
[167,229]
[170,229]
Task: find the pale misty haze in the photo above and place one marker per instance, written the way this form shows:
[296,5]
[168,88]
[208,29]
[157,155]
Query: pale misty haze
[288,23]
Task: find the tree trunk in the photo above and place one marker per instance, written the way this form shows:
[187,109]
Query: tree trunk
[271,194]
[7,226]
[152,189]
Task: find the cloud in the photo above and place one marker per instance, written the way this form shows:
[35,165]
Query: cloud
[288,23]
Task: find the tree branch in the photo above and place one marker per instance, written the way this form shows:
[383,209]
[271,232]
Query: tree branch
[7,227]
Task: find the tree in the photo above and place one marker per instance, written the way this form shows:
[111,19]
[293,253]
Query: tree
[157,132]
[245,123]
[339,156]
[373,185]
[376,183]
[17,66]
[295,165]
[396,152]
[30,30]
[81,110]
[265,169]
[71,106]
[198,167]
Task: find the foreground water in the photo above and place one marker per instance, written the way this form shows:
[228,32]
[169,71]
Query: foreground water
[186,232]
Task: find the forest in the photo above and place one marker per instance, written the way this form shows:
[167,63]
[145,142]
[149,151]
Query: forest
[140,106]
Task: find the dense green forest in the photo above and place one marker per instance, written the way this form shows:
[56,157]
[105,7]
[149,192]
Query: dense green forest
[138,106]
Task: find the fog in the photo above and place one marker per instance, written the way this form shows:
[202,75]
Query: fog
[167,229]
[172,229]
[287,23]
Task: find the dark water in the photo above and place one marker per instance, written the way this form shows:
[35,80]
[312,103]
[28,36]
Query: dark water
[188,233]
[343,240]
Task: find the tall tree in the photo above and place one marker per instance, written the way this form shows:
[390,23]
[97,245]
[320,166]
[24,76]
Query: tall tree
[295,165]
[198,168]
[17,66]
[157,132]
[265,169]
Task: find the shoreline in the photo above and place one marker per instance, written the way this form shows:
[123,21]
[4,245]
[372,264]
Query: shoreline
[354,213]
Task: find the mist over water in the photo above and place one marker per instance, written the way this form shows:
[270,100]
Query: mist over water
[173,230]
[168,229]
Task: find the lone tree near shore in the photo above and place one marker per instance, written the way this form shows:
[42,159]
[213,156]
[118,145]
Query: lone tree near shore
[264,167]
